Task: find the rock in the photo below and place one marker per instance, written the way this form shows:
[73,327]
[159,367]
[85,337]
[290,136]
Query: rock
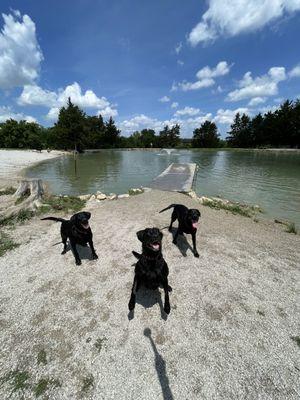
[93,197]
[84,197]
[101,196]
[134,191]
[112,196]
[192,194]
[123,196]
[204,199]
[146,189]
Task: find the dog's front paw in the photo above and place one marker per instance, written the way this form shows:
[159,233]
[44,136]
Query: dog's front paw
[131,304]
[167,308]
[196,254]
[95,257]
[78,262]
[175,241]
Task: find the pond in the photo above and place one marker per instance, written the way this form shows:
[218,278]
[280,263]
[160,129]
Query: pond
[270,179]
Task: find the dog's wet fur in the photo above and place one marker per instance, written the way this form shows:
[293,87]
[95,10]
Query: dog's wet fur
[187,222]
[78,230]
[151,270]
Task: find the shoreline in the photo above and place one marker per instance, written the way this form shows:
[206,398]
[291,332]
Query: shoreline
[13,163]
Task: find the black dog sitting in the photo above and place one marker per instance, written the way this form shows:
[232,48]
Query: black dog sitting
[78,230]
[187,222]
[151,270]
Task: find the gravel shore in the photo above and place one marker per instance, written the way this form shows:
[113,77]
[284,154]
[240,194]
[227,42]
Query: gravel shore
[231,334]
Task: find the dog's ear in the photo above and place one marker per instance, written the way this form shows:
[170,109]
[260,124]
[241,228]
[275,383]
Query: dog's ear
[87,214]
[140,235]
[198,213]
[74,218]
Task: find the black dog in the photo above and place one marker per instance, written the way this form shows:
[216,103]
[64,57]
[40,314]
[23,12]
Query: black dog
[78,230]
[151,270]
[187,222]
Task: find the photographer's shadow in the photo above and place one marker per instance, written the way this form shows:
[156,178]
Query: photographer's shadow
[85,252]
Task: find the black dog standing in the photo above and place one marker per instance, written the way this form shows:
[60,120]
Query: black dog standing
[151,270]
[78,230]
[187,222]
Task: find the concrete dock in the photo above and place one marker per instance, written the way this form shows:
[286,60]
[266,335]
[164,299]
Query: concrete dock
[176,178]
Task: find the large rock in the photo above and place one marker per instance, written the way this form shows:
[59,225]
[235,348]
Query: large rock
[101,196]
[112,196]
[84,197]
[123,196]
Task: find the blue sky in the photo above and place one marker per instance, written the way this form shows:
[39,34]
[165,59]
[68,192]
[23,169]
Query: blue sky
[148,63]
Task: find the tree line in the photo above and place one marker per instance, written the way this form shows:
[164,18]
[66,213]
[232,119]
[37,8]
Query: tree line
[74,130]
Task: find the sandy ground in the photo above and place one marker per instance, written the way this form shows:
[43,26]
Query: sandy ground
[13,161]
[234,311]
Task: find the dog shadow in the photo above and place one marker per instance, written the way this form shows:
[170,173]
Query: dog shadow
[85,252]
[148,298]
[182,243]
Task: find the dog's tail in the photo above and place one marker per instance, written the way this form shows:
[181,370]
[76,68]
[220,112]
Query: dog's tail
[136,255]
[167,208]
[54,219]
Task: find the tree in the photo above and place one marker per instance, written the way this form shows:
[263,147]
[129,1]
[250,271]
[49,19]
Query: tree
[169,137]
[206,136]
[69,131]
[240,134]
[111,134]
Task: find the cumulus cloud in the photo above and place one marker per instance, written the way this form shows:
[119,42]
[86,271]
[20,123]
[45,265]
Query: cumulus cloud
[231,18]
[7,113]
[142,121]
[226,116]
[164,99]
[191,111]
[256,101]
[36,96]
[180,62]
[261,86]
[174,104]
[295,72]
[20,54]
[205,77]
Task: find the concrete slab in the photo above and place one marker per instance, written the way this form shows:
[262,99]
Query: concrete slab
[176,178]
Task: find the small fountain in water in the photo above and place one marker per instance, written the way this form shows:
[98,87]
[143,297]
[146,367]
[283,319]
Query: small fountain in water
[168,151]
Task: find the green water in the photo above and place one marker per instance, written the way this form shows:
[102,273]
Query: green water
[269,179]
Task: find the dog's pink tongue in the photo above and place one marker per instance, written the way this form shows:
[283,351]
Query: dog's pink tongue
[155,246]
[195,225]
[86,226]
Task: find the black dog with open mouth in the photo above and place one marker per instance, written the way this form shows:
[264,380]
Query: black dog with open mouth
[187,222]
[151,270]
[78,230]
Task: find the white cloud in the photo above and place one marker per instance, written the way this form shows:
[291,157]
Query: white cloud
[191,111]
[174,104]
[7,113]
[178,48]
[180,62]
[108,112]
[256,101]
[142,121]
[226,116]
[231,18]
[20,54]
[36,96]
[295,72]
[205,77]
[164,99]
[261,86]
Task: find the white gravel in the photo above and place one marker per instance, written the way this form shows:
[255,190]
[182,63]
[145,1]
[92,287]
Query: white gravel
[234,311]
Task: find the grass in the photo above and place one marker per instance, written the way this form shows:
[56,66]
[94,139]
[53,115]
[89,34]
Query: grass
[17,380]
[134,192]
[291,228]
[6,243]
[42,357]
[43,385]
[99,343]
[20,217]
[244,210]
[22,198]
[7,191]
[87,383]
[64,204]
[296,339]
